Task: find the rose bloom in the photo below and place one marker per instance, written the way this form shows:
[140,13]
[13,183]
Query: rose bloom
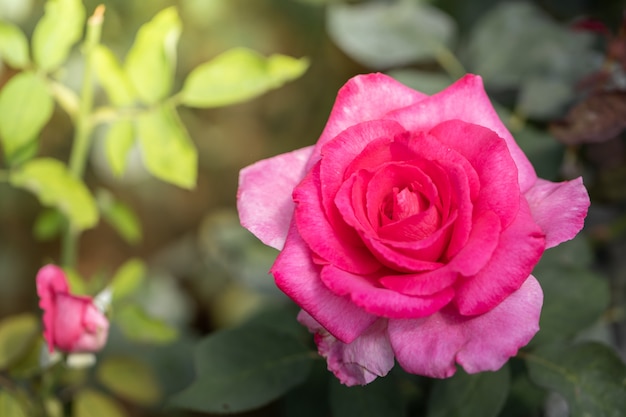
[72,323]
[410,230]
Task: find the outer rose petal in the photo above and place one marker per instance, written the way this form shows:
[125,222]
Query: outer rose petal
[50,281]
[356,363]
[558,208]
[431,346]
[78,325]
[95,331]
[298,277]
[264,195]
[465,100]
[364,98]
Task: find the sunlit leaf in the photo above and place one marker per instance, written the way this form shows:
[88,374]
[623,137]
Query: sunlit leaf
[130,379]
[10,405]
[590,376]
[13,45]
[112,77]
[25,107]
[466,395]
[167,151]
[244,368]
[119,140]
[48,224]
[150,63]
[390,34]
[17,333]
[128,278]
[55,187]
[238,75]
[91,403]
[119,216]
[138,326]
[57,31]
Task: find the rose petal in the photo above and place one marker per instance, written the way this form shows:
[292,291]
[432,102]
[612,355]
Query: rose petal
[329,236]
[465,100]
[95,331]
[298,277]
[364,98]
[431,346]
[264,196]
[68,322]
[518,251]
[558,208]
[356,363]
[50,281]
[379,301]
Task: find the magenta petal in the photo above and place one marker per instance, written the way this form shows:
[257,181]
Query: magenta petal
[431,346]
[298,277]
[68,322]
[465,100]
[518,251]
[50,281]
[364,98]
[559,208]
[95,330]
[264,196]
[356,363]
[380,301]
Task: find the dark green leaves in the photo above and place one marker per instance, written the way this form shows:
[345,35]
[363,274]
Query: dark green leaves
[244,368]
[590,377]
[379,398]
[387,34]
[466,395]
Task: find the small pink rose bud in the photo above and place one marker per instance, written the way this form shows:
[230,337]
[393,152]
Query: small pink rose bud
[72,323]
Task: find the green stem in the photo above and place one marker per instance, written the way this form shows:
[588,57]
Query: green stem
[84,127]
[449,62]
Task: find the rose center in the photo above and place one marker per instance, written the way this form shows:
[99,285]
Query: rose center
[401,204]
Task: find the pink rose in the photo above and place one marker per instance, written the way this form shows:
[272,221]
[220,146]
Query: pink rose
[410,230]
[72,323]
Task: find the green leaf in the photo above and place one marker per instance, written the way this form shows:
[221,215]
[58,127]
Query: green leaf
[465,395]
[13,46]
[245,368]
[130,379]
[112,77]
[238,75]
[574,296]
[128,278]
[25,107]
[91,403]
[57,31]
[56,187]
[48,224]
[119,216]
[17,334]
[378,398]
[138,326]
[390,34]
[168,152]
[590,376]
[119,140]
[151,61]
[10,406]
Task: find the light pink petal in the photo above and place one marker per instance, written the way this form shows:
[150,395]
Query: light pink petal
[559,208]
[518,251]
[298,277]
[364,98]
[264,196]
[432,346]
[358,362]
[383,302]
[95,331]
[50,281]
[465,100]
